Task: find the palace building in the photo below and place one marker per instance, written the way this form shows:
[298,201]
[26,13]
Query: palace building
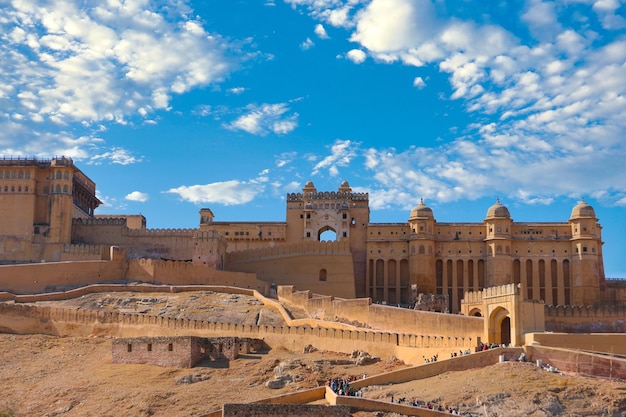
[50,216]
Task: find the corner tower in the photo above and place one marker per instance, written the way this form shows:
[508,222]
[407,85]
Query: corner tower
[587,271]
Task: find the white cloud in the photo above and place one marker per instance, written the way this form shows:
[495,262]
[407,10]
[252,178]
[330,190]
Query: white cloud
[237,90]
[266,118]
[341,154]
[356,55]
[419,83]
[137,196]
[307,44]
[228,193]
[117,156]
[320,31]
[118,50]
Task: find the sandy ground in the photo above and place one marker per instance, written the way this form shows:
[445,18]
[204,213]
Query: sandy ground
[49,376]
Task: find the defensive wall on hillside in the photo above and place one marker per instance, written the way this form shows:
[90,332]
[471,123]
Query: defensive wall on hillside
[612,343]
[322,267]
[338,337]
[383,317]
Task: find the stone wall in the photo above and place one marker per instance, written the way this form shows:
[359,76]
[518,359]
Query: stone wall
[175,352]
[611,343]
[386,318]
[584,363]
[586,319]
[285,410]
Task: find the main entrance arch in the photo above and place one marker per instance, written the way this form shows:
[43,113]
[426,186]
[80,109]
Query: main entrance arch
[500,326]
[327,233]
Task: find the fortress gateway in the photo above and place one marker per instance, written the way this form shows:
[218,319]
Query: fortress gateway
[49,215]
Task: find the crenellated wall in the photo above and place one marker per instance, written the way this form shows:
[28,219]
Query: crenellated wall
[586,319]
[174,244]
[296,249]
[384,317]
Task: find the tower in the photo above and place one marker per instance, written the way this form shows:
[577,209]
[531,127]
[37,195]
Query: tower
[421,248]
[586,265]
[498,244]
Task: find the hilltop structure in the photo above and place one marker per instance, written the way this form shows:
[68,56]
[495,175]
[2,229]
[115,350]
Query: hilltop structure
[50,216]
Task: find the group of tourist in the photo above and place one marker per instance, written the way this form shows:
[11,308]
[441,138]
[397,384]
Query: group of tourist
[461,353]
[342,387]
[430,406]
[431,359]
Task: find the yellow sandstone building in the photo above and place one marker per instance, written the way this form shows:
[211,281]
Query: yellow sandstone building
[49,219]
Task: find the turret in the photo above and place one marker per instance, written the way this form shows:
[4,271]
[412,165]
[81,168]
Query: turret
[422,247]
[498,241]
[587,271]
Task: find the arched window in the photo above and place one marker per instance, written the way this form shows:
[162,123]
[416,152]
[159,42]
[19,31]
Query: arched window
[65,189]
[58,176]
[421,250]
[323,274]
[57,189]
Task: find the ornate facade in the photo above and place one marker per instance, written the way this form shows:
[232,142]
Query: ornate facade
[51,203]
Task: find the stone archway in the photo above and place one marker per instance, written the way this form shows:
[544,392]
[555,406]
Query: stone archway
[500,326]
[328,233]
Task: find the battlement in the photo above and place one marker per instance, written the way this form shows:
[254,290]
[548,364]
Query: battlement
[38,162]
[618,312]
[328,195]
[477,297]
[297,249]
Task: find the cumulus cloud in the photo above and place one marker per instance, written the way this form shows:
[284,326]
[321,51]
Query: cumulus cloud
[307,44]
[419,83]
[65,61]
[320,31]
[266,118]
[228,193]
[356,55]
[118,156]
[137,196]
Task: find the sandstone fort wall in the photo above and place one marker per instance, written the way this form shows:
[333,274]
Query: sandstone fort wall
[322,267]
[70,322]
[595,342]
[584,363]
[586,319]
[384,317]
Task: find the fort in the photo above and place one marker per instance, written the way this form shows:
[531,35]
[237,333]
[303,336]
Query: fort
[395,288]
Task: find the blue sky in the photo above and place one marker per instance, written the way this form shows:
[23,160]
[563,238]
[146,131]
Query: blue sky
[171,106]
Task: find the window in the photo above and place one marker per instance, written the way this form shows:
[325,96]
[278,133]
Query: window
[345,234]
[308,215]
[345,216]
[323,275]
[129,347]
[170,347]
[308,234]
[149,347]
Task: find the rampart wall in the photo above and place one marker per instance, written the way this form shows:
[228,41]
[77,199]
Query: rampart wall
[340,247]
[18,318]
[384,317]
[323,267]
[176,244]
[586,319]
[187,273]
[612,343]
[42,277]
[584,363]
